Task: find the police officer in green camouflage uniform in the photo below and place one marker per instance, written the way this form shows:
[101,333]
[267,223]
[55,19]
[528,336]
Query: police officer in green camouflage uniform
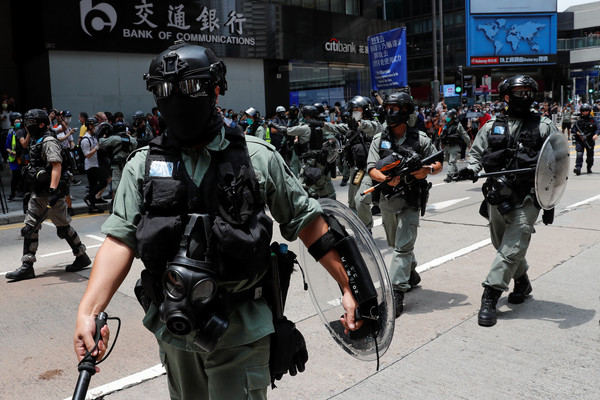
[193,158]
[313,151]
[120,144]
[48,180]
[402,197]
[451,138]
[509,142]
[359,131]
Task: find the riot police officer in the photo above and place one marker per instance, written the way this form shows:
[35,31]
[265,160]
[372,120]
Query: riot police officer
[584,133]
[358,133]
[402,197]
[202,170]
[451,137]
[255,124]
[120,144]
[47,175]
[140,129]
[509,142]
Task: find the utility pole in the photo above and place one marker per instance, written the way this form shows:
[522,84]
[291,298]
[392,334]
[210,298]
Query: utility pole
[441,12]
[436,83]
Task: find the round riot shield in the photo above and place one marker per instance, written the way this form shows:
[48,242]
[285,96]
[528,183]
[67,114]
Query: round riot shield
[552,171]
[326,295]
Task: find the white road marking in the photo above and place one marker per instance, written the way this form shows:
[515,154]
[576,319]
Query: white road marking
[449,257]
[123,383]
[98,238]
[581,203]
[444,204]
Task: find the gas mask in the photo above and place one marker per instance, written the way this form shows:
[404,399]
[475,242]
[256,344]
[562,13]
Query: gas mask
[520,102]
[357,115]
[190,288]
[35,131]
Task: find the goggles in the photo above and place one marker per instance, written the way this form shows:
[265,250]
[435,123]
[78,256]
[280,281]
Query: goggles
[193,87]
[523,93]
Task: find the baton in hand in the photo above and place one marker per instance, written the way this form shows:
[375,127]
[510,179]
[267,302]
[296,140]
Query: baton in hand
[87,366]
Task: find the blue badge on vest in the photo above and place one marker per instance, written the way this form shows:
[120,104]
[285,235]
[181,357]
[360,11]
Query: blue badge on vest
[163,169]
[499,130]
[386,145]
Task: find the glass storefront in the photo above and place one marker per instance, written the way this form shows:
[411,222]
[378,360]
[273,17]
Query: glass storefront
[321,82]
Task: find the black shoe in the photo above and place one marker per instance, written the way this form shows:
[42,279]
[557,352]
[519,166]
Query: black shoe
[589,169]
[344,183]
[25,271]
[521,290]
[487,312]
[89,201]
[11,198]
[414,279]
[577,171]
[107,196]
[375,210]
[70,211]
[101,201]
[80,263]
[447,179]
[398,302]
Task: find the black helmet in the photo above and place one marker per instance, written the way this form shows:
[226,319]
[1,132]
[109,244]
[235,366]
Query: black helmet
[320,107]
[93,121]
[506,86]
[119,127]
[14,116]
[310,111]
[361,102]
[139,115]
[193,68]
[293,110]
[585,107]
[406,107]
[35,117]
[451,114]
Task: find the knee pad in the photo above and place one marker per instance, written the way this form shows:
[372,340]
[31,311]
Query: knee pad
[63,231]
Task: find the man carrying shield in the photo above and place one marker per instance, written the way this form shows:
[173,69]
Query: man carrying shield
[508,143]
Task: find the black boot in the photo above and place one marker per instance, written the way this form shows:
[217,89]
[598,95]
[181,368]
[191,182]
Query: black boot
[25,271]
[414,279]
[487,312]
[521,290]
[80,263]
[577,171]
[589,169]
[398,302]
[375,210]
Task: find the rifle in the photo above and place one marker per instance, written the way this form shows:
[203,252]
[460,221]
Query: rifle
[399,165]
[580,135]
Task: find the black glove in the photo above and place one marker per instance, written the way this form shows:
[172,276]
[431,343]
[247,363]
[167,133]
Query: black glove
[464,174]
[53,196]
[299,354]
[352,124]
[374,93]
[314,122]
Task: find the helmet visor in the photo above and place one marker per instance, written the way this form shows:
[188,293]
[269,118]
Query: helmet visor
[193,87]
[523,93]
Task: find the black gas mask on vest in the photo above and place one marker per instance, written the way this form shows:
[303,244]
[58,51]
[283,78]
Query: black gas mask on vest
[190,288]
[183,80]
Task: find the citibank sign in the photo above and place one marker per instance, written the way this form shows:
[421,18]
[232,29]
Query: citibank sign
[334,45]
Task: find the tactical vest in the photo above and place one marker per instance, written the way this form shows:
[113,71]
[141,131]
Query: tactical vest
[411,191]
[39,171]
[121,151]
[450,135]
[587,127]
[507,152]
[229,193]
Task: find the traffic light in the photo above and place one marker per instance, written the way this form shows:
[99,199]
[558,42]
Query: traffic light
[458,81]
[468,85]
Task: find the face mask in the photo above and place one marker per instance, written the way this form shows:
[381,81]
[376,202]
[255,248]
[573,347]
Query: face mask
[68,119]
[519,106]
[187,118]
[249,121]
[394,118]
[18,125]
[4,106]
[447,119]
[357,115]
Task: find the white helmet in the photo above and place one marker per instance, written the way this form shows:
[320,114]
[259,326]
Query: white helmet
[280,109]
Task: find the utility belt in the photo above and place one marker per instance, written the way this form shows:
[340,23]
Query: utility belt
[416,193]
[39,180]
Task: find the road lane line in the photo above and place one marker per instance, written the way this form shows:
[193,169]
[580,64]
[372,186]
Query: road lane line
[123,383]
[449,257]
[581,203]
[444,204]
[98,238]
[68,251]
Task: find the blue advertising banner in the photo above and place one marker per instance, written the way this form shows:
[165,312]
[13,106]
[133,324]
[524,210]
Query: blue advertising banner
[515,38]
[387,59]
